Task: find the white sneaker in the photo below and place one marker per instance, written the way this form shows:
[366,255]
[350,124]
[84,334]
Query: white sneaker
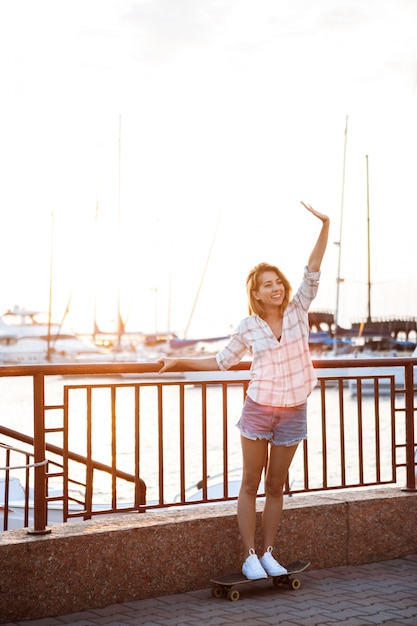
[271,565]
[252,568]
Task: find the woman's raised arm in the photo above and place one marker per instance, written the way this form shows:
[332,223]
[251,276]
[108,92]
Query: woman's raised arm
[316,256]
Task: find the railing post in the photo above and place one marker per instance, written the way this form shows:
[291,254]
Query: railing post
[409,428]
[39,450]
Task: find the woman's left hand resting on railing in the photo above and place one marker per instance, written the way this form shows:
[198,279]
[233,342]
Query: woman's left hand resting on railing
[172,364]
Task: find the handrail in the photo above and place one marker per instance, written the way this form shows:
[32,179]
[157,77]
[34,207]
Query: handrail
[40,375]
[74,456]
[114,368]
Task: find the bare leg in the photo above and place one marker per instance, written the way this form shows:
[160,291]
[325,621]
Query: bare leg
[254,456]
[279,462]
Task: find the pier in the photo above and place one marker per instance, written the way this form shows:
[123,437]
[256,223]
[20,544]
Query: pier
[121,554]
[384,327]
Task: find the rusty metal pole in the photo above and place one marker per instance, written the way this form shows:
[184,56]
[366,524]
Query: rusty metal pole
[409,428]
[39,450]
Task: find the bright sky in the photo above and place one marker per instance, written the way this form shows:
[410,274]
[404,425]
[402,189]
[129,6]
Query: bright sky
[225,114]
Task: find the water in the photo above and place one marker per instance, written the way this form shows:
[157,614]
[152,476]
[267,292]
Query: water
[16,406]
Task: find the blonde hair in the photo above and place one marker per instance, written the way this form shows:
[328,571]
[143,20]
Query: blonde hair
[253,283]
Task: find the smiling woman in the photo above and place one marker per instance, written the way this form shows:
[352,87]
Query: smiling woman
[274,419]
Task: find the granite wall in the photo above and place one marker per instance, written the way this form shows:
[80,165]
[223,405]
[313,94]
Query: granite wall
[105,561]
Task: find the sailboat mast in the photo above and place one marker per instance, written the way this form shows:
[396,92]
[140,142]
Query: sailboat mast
[51,262]
[339,244]
[119,219]
[369,240]
[96,240]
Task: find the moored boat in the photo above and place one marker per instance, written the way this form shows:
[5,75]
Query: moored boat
[28,337]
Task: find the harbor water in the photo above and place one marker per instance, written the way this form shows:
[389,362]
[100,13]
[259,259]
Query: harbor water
[207,430]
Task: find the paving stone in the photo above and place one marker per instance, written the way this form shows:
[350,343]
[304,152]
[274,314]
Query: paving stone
[363,595]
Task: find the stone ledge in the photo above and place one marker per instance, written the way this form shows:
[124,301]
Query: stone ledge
[105,561]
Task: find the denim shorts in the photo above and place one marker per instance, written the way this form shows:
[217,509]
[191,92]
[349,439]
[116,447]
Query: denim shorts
[281,426]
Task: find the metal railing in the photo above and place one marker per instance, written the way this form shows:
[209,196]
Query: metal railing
[112,438]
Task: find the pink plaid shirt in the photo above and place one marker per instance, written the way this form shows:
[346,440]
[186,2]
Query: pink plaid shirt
[282,373]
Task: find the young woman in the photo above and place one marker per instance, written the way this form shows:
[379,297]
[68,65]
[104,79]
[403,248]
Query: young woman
[282,377]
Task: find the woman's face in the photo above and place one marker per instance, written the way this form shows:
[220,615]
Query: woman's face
[271,292]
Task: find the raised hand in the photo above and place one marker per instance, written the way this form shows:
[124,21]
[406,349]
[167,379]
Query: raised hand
[321,216]
[316,256]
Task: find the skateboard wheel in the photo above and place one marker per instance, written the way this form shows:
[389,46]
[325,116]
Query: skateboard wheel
[295,583]
[216,592]
[233,595]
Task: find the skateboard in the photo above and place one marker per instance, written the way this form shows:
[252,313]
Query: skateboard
[225,585]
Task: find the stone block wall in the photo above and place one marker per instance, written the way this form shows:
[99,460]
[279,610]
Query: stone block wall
[129,557]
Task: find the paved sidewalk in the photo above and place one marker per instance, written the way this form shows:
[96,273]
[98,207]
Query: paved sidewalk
[376,593]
